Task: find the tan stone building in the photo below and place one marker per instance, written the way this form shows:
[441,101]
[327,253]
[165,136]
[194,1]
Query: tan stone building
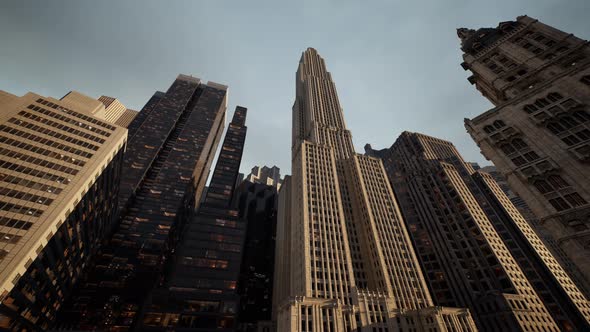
[538,135]
[475,247]
[344,259]
[59,171]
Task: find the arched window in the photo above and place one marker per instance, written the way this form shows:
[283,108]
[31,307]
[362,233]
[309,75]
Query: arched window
[554,96]
[499,124]
[489,129]
[581,116]
[555,128]
[585,79]
[507,149]
[530,108]
[568,122]
[543,187]
[541,102]
[519,144]
[557,182]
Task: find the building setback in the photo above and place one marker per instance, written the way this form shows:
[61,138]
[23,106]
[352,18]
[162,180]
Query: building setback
[59,177]
[538,134]
[164,171]
[475,247]
[200,287]
[344,259]
[270,176]
[257,204]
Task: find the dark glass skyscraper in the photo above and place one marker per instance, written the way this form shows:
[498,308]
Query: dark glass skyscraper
[199,290]
[257,204]
[164,171]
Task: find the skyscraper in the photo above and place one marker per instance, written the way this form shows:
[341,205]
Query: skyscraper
[164,171]
[257,205]
[199,289]
[59,177]
[538,134]
[475,247]
[266,175]
[345,260]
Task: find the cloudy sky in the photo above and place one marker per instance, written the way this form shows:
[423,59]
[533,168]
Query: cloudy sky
[395,63]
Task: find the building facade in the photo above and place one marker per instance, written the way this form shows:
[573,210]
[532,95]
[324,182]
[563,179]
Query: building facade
[532,219]
[344,259]
[60,168]
[538,134]
[257,205]
[475,247]
[164,171]
[199,291]
[270,176]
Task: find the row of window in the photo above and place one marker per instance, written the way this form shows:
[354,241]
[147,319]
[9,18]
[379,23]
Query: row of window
[42,151]
[44,141]
[68,120]
[15,208]
[37,161]
[25,196]
[13,223]
[33,172]
[61,127]
[76,114]
[52,133]
[541,103]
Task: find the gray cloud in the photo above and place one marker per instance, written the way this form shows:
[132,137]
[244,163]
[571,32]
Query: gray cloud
[396,64]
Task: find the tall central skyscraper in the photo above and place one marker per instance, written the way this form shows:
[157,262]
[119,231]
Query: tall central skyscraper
[344,258]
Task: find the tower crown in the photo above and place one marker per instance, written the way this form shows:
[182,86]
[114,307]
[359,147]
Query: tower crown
[464,33]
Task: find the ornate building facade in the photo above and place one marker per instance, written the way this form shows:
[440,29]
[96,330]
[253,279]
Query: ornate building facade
[344,259]
[538,134]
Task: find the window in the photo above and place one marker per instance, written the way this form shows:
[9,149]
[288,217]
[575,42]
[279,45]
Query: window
[557,181]
[581,116]
[585,80]
[559,204]
[519,144]
[530,108]
[568,122]
[488,129]
[575,199]
[499,124]
[543,187]
[554,96]
[519,161]
[555,128]
[541,102]
[507,149]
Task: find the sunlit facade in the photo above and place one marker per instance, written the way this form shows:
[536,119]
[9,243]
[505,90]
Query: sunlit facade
[60,168]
